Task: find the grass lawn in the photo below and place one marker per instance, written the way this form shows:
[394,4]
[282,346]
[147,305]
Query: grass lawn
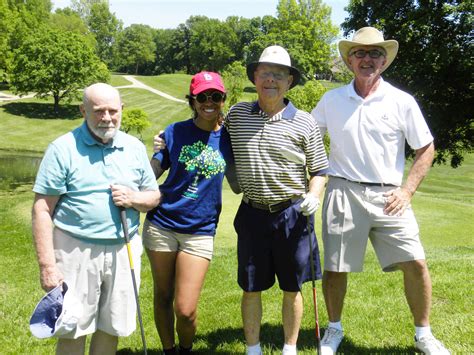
[376,317]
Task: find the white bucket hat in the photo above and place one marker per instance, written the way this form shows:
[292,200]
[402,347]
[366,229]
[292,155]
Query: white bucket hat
[57,313]
[274,55]
[369,36]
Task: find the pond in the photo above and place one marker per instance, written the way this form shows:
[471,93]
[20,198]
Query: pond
[18,169]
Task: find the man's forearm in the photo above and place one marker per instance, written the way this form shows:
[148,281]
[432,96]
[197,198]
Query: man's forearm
[420,167]
[144,201]
[316,185]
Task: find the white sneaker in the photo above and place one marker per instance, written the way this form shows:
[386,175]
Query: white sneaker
[331,340]
[429,345]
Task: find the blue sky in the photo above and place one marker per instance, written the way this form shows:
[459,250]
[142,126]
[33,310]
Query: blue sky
[170,13]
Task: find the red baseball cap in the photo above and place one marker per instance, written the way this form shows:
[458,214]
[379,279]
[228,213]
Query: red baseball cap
[206,80]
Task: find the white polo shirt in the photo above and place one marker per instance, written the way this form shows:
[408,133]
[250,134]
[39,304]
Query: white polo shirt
[368,135]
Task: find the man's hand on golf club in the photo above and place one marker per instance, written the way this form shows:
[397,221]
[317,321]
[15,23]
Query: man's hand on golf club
[122,196]
[310,204]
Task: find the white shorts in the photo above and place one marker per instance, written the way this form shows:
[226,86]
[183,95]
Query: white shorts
[353,213]
[100,277]
[158,239]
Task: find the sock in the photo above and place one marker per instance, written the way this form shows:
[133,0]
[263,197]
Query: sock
[289,349]
[421,332]
[254,349]
[336,325]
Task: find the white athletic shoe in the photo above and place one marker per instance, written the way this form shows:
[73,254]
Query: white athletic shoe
[331,340]
[429,345]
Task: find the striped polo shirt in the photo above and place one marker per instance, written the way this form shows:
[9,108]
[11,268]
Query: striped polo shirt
[263,173]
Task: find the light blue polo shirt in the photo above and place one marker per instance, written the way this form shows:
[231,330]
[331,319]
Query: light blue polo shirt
[80,170]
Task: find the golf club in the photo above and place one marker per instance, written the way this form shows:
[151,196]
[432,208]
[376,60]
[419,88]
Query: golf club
[300,158]
[123,217]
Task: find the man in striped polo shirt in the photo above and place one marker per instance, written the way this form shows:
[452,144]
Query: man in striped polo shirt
[271,222]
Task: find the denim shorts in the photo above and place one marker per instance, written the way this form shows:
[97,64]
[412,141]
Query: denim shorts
[272,244]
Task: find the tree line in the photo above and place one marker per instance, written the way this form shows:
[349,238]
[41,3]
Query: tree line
[57,53]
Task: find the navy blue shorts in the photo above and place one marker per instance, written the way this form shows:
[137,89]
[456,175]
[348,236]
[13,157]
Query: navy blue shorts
[272,244]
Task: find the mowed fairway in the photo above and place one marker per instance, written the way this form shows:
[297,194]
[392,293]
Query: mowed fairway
[376,317]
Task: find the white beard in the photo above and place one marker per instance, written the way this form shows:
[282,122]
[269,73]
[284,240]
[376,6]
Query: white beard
[105,135]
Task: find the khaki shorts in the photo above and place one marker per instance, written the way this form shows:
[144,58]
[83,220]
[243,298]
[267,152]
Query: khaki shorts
[101,280]
[353,213]
[158,239]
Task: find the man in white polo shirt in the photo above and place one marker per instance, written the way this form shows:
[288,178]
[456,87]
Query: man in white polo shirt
[368,122]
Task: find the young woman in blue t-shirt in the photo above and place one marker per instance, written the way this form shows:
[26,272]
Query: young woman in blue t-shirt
[179,233]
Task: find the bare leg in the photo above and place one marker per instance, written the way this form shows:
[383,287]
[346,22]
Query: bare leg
[71,346]
[417,282]
[251,308]
[334,289]
[292,311]
[103,344]
[163,271]
[190,273]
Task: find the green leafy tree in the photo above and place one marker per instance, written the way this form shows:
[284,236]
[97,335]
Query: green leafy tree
[164,55]
[235,78]
[68,20]
[211,44]
[434,63]
[105,27]
[135,47]
[246,30]
[6,29]
[305,29]
[83,7]
[135,119]
[180,49]
[18,19]
[55,63]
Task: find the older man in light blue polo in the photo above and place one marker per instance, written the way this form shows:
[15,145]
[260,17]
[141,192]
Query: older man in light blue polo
[85,177]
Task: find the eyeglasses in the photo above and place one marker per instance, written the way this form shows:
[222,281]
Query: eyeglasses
[276,75]
[373,53]
[216,97]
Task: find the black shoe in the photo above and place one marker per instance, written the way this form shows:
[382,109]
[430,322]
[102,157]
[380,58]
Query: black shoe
[171,351]
[185,351]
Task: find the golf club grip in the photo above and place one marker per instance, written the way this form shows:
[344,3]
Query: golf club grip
[123,217]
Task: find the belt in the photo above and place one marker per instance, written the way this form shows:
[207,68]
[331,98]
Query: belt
[276,207]
[380,184]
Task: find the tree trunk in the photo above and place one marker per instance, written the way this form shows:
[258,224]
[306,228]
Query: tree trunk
[56,104]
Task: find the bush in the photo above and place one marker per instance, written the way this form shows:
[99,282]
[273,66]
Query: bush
[306,97]
[135,119]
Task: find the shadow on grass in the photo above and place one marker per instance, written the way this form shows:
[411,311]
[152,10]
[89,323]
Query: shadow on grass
[272,336]
[39,110]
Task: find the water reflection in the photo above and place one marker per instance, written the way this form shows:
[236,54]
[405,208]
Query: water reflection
[17,169]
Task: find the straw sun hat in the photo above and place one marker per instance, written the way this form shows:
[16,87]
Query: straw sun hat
[369,36]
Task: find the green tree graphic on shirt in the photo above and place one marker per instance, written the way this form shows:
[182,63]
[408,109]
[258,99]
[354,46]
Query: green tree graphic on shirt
[203,159]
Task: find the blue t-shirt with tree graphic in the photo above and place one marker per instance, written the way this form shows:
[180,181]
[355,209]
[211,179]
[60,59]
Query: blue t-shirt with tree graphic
[192,193]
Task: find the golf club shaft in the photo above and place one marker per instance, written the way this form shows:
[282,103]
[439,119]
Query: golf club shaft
[123,217]
[313,276]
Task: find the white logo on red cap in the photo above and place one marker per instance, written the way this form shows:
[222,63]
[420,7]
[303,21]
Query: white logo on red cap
[207,77]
